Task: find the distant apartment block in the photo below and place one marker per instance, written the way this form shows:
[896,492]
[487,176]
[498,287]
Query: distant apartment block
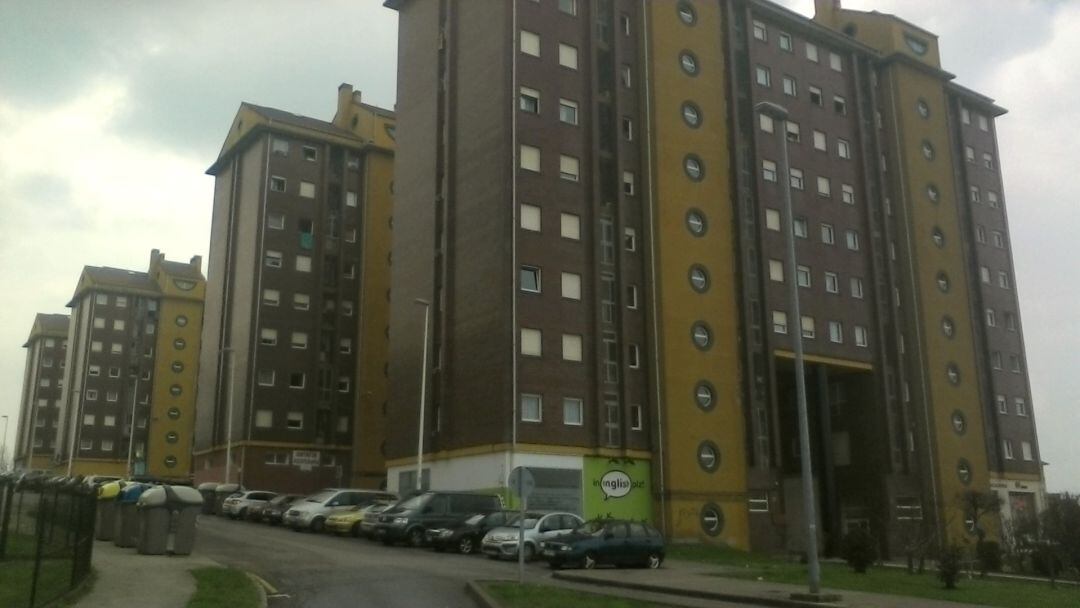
[43,382]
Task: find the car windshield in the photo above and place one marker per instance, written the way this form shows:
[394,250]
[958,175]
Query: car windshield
[530,520]
[321,497]
[475,519]
[413,503]
[590,527]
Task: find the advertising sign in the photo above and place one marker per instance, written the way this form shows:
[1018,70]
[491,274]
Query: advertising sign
[618,488]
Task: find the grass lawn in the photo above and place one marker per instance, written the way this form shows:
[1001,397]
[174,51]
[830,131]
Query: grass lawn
[54,580]
[512,595]
[223,587]
[893,581]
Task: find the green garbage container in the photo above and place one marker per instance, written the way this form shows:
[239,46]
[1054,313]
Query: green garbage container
[105,518]
[167,517]
[207,491]
[222,492]
[126,533]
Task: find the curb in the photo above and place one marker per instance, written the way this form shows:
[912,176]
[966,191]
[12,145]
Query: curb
[261,586]
[481,597]
[778,602]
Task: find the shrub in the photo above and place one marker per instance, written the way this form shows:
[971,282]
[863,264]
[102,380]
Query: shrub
[988,553]
[859,549]
[949,565]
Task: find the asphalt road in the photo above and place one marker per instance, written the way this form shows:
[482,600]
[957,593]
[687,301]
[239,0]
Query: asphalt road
[317,570]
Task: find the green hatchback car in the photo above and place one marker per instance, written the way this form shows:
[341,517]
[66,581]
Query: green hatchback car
[614,542]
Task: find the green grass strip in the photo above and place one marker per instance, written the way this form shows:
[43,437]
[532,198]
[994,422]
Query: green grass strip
[512,595]
[223,588]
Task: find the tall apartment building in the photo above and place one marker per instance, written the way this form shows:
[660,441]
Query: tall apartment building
[43,381]
[590,202]
[297,304]
[128,401]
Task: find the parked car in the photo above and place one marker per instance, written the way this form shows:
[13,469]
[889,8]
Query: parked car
[466,536]
[371,518]
[310,513]
[615,542]
[539,527]
[273,511]
[237,505]
[350,521]
[410,518]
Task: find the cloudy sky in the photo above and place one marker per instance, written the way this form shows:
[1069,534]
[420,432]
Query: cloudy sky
[110,112]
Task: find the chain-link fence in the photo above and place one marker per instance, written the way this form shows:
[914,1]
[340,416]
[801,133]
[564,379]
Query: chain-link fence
[46,538]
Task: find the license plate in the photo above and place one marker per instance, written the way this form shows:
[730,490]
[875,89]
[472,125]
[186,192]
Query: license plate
[549,552]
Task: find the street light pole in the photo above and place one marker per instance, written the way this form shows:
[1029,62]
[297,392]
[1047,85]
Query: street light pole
[779,115]
[423,389]
[229,411]
[131,428]
[3,446]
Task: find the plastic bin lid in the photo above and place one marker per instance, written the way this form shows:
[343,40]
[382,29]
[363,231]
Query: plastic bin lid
[208,486]
[109,491]
[132,492]
[184,495]
[154,497]
[228,487]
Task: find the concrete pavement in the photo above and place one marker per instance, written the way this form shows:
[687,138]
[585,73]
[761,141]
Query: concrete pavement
[125,578]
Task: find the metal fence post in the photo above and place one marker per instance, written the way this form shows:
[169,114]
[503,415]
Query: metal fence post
[38,549]
[9,497]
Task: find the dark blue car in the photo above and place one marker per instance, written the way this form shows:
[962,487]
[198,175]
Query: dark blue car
[613,541]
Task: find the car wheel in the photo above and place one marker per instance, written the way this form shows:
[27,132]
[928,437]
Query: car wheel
[317,524]
[653,561]
[242,514]
[465,546]
[589,561]
[355,530]
[416,537]
[530,552]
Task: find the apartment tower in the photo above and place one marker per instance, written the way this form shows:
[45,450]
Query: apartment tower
[43,383]
[589,204]
[296,310]
[128,400]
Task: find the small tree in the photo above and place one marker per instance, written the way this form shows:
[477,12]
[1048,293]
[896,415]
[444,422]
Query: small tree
[859,549]
[1059,545]
[976,505]
[950,562]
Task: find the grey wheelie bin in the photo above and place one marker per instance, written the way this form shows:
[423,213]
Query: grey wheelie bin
[126,533]
[222,492]
[207,490]
[167,517]
[104,518]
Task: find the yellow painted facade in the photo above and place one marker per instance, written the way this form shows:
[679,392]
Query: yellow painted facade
[684,487]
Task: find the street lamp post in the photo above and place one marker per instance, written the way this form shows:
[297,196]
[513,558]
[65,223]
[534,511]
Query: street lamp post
[779,115]
[423,389]
[131,428]
[3,446]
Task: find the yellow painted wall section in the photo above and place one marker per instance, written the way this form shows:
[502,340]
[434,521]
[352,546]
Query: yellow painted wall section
[687,487]
[91,466]
[885,33]
[176,304]
[369,468]
[908,85]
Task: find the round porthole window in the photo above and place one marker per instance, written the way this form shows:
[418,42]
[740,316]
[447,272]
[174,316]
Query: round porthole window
[708,456]
[687,14]
[179,343]
[952,373]
[699,278]
[939,237]
[959,422]
[701,336]
[170,461]
[694,168]
[175,390]
[922,108]
[964,471]
[943,282]
[689,63]
[933,193]
[948,326]
[927,150]
[172,437]
[691,114]
[177,366]
[712,519]
[174,413]
[695,222]
[181,321]
[704,396]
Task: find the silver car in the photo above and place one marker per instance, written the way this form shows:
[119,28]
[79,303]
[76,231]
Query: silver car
[236,506]
[503,541]
[310,513]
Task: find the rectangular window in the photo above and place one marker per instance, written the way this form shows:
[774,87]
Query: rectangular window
[998,238]
[811,52]
[992,199]
[264,419]
[633,356]
[984,124]
[121,301]
[86,444]
[294,421]
[802,229]
[346,308]
[570,226]
[965,116]
[88,420]
[764,78]
[802,276]
[310,154]
[279,146]
[531,342]
[637,420]
[820,141]
[345,345]
[1014,364]
[779,322]
[624,19]
[847,194]
[1010,321]
[628,183]
[995,360]
[816,96]
[298,340]
[116,348]
[856,288]
[297,380]
[790,86]
[785,42]
[969,154]
[980,234]
[530,279]
[796,178]
[852,237]
[573,411]
[991,318]
[530,158]
[988,160]
[792,130]
[760,32]
[835,62]
[1025,449]
[832,282]
[530,43]
[112,396]
[277,184]
[268,337]
[626,76]
[530,217]
[273,259]
[630,239]
[301,301]
[114,372]
[529,100]
[568,111]
[836,332]
[568,56]
[973,194]
[271,297]
[765,122]
[772,219]
[307,190]
[839,105]
[1008,448]
[351,199]
[266,377]
[632,297]
[99,322]
[571,347]
[571,286]
[303,263]
[861,336]
[95,346]
[1020,406]
[768,170]
[824,187]
[1002,404]
[91,394]
[343,384]
[843,148]
[628,128]
[275,221]
[808,330]
[93,370]
[776,271]
[532,408]
[569,168]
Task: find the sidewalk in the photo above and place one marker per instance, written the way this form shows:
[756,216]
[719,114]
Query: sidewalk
[125,578]
[691,579]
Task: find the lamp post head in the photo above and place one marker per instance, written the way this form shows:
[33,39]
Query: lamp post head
[772,110]
[422,302]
